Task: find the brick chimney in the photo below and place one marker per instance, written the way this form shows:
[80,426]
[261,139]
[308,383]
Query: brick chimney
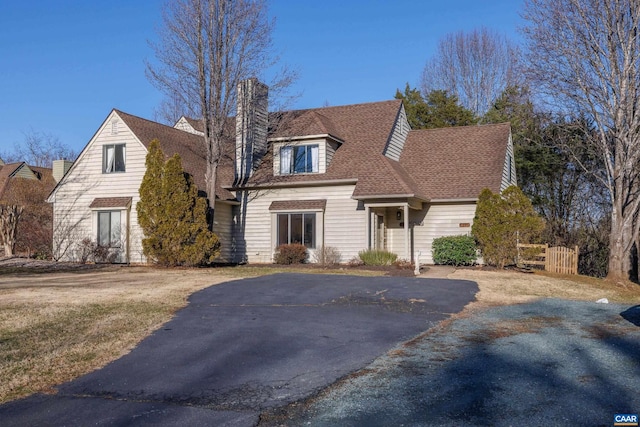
[251,127]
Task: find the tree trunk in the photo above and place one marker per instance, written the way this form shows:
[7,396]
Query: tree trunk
[211,177]
[620,243]
[9,217]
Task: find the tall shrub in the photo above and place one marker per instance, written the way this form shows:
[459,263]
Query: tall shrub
[172,216]
[503,220]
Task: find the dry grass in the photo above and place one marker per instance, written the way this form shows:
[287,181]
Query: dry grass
[510,287]
[56,326]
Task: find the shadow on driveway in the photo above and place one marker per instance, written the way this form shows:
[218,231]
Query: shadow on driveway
[242,347]
[549,362]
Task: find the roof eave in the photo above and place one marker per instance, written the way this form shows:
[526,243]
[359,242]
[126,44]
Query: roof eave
[305,137]
[391,196]
[452,200]
[319,183]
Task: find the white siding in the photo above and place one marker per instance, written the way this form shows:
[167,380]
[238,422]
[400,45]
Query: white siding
[184,125]
[332,146]
[74,220]
[439,220]
[222,222]
[401,128]
[344,223]
[509,168]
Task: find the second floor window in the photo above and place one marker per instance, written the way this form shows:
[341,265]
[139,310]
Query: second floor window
[299,159]
[113,158]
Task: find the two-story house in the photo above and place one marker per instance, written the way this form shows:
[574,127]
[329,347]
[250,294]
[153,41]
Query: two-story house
[350,177]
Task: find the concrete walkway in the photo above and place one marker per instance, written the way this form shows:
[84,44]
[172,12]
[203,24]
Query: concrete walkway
[437,271]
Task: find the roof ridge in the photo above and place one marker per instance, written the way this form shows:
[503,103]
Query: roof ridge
[330,107]
[476,126]
[120,113]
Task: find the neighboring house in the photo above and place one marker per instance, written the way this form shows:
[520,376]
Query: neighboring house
[350,177]
[23,188]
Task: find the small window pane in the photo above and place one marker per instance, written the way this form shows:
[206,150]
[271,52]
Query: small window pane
[310,230]
[285,160]
[296,228]
[300,159]
[103,228]
[115,230]
[120,158]
[283,229]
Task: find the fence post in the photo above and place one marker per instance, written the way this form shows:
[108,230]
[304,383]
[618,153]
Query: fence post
[546,257]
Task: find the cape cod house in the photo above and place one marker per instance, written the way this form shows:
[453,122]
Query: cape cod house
[350,177]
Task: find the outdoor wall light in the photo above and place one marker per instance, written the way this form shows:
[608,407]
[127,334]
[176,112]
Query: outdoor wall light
[399,215]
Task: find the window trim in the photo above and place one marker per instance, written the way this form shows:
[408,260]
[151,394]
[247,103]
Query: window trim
[289,155]
[303,216]
[105,161]
[113,243]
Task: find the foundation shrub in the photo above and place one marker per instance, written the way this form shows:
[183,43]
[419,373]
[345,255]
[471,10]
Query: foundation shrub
[327,256]
[293,253]
[454,250]
[377,257]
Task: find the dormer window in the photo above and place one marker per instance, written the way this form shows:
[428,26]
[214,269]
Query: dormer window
[299,159]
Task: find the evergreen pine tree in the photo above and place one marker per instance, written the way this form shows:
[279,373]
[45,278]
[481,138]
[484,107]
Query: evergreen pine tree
[501,222]
[172,215]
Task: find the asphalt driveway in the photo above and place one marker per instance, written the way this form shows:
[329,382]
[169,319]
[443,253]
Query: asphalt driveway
[247,346]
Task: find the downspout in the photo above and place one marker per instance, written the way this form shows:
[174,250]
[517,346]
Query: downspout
[407,254]
[367,211]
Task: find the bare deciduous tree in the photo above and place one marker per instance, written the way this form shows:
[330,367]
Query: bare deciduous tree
[39,149]
[205,49]
[585,56]
[475,66]
[171,108]
[9,218]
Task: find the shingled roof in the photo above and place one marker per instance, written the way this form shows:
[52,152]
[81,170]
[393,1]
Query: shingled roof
[189,146]
[456,162]
[447,163]
[365,130]
[8,173]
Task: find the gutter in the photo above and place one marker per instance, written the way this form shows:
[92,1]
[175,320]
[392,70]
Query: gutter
[390,196]
[295,184]
[305,137]
[454,200]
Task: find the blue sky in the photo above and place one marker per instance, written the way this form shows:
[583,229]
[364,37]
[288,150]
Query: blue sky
[65,64]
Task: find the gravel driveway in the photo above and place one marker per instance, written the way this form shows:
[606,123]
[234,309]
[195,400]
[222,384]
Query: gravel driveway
[551,362]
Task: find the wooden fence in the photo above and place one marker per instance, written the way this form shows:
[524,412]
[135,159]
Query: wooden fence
[556,259]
